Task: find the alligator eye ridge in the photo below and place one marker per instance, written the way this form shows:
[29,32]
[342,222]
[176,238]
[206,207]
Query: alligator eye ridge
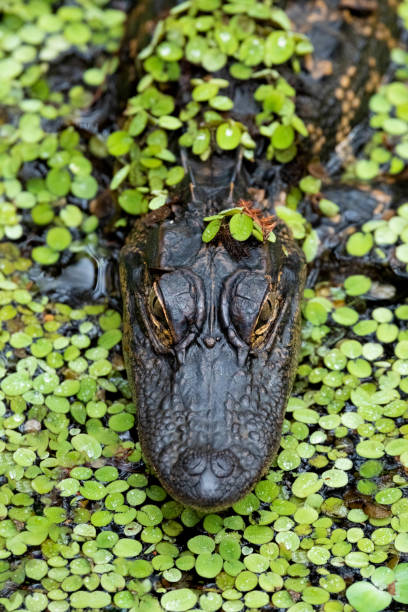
[267,315]
[159,317]
[249,307]
[175,308]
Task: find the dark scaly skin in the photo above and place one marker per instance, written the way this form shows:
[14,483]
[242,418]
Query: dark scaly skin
[211,400]
[351,54]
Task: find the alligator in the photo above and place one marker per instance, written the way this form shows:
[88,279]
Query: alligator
[212,330]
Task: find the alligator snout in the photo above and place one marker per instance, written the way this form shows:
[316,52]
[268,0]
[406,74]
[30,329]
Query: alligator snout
[204,452]
[199,462]
[209,474]
[210,480]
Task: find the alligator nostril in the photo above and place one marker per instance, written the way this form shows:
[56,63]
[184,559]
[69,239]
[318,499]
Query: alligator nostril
[194,463]
[222,464]
[209,341]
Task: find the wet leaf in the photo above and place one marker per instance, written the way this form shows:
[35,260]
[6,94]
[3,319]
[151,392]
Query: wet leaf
[211,230]
[241,226]
[279,47]
[228,136]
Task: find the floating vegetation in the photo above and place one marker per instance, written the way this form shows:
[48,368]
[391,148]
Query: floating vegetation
[384,240]
[84,524]
[387,151]
[33,39]
[245,41]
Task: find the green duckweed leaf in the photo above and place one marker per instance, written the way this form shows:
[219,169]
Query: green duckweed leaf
[120,176]
[359,244]
[279,47]
[179,600]
[213,60]
[169,123]
[357,284]
[211,230]
[201,141]
[88,445]
[205,91]
[58,238]
[366,170]
[58,181]
[365,596]
[133,202]
[45,255]
[169,51]
[119,143]
[240,226]
[157,202]
[283,136]
[310,245]
[90,599]
[252,51]
[310,184]
[228,136]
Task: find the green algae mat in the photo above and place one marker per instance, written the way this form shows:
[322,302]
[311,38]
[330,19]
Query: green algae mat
[84,524]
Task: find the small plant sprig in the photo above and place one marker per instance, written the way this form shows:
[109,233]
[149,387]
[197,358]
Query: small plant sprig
[244,221]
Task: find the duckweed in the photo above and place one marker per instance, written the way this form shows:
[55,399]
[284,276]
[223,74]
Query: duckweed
[386,154]
[84,523]
[247,43]
[387,151]
[32,39]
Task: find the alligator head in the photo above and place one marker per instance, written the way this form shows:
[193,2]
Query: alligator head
[211,344]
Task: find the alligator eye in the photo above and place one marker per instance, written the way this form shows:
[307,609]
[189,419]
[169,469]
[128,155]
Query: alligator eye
[175,306]
[249,306]
[158,316]
[263,322]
